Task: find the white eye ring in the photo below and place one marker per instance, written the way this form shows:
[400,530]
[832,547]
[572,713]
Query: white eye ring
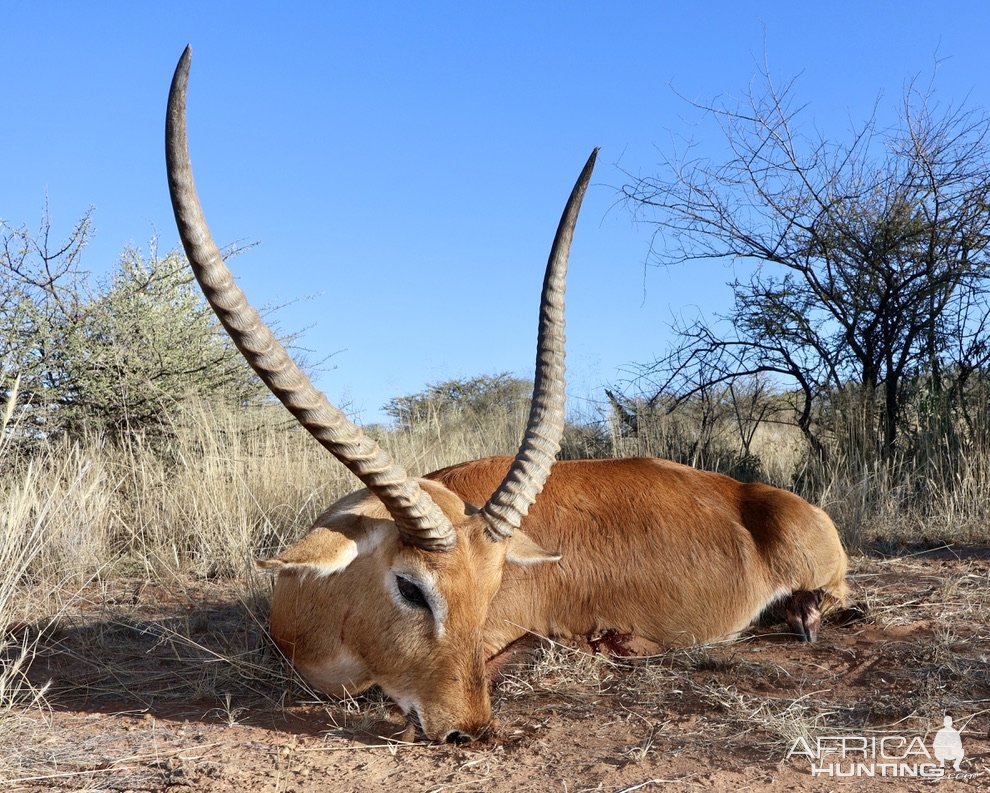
[411,593]
[418,592]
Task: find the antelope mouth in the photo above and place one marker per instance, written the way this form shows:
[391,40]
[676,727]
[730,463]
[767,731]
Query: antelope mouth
[414,732]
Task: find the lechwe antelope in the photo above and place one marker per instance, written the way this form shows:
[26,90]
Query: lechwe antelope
[409,584]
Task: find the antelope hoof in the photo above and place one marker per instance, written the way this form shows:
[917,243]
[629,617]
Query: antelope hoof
[803,613]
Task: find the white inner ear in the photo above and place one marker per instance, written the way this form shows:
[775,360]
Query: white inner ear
[522,550]
[319,567]
[324,552]
[372,538]
[326,566]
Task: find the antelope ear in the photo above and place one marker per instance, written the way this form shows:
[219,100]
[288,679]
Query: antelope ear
[524,551]
[321,552]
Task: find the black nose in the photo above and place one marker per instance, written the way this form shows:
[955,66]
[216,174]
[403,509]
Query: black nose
[456,736]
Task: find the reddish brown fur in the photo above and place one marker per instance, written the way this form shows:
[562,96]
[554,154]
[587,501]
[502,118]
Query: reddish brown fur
[656,549]
[649,548]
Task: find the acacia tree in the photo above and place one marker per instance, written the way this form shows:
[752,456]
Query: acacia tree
[116,356]
[147,343]
[469,399]
[867,258]
[42,292]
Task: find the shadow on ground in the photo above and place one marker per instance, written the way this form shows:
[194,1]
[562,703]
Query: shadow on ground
[185,656]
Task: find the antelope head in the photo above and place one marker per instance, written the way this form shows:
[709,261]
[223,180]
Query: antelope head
[393,584]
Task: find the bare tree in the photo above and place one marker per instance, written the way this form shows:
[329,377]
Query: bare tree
[868,257]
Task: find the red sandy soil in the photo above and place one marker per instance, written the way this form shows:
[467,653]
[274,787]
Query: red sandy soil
[142,699]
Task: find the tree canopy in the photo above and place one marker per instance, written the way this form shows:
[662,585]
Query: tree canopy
[862,264]
[466,399]
[112,356]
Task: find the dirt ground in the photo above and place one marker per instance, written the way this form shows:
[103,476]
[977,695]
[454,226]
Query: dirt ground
[174,688]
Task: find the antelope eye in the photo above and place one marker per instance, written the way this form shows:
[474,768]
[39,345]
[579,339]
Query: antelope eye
[411,593]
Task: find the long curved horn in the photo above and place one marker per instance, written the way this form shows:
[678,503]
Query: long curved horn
[529,471]
[418,518]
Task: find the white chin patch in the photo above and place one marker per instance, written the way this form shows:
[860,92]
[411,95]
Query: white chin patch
[409,705]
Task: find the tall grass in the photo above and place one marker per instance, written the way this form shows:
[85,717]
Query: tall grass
[231,485]
[21,542]
[934,490]
[903,501]
[228,485]
[79,517]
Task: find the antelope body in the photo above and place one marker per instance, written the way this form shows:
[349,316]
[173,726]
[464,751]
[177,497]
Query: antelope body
[645,546]
[414,584]
[656,549]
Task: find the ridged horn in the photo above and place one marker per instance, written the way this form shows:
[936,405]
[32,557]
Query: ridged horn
[531,467]
[417,517]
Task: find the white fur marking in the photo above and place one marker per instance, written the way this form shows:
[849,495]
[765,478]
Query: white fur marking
[427,582]
[370,540]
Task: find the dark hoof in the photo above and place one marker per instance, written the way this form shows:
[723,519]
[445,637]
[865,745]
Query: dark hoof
[802,610]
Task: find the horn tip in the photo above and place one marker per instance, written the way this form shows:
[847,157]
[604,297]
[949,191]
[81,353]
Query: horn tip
[590,164]
[182,67]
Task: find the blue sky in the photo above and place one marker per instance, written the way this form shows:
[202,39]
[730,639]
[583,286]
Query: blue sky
[404,165]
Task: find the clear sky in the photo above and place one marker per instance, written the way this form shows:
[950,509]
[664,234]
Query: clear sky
[403,165]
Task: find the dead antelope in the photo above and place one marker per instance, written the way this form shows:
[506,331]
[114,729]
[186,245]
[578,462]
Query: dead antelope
[410,585]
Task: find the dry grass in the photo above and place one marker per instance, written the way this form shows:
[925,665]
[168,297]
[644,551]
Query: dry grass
[137,552]
[21,540]
[88,527]
[920,653]
[936,495]
[228,486]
